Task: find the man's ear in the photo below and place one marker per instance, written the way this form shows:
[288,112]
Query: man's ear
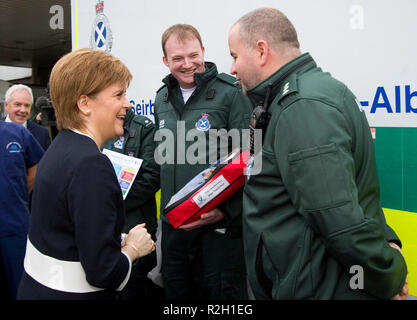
[83,105]
[263,50]
[6,106]
[165,61]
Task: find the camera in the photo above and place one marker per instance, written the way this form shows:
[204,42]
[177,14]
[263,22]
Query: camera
[44,105]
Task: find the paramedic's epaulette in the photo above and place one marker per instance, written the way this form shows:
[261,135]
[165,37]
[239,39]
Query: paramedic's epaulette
[287,87]
[143,120]
[165,99]
[228,79]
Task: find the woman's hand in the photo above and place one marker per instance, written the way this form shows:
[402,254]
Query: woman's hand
[138,242]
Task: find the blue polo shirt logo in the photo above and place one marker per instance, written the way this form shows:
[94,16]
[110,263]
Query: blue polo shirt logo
[14,147]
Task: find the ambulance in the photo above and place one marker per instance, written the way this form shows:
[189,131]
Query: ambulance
[368,45]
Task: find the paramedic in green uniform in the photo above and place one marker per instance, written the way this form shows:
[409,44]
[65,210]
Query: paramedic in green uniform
[140,205]
[313,224]
[203,259]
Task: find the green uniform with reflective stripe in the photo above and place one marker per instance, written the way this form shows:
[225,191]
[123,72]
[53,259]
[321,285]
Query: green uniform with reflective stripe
[201,263]
[313,212]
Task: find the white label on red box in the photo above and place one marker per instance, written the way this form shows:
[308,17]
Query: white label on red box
[211,191]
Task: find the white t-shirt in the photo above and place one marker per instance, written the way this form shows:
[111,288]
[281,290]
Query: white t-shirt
[186,93]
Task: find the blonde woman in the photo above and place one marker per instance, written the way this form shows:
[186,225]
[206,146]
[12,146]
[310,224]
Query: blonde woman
[74,248]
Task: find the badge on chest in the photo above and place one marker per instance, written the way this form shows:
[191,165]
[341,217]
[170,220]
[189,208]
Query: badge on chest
[203,124]
[119,143]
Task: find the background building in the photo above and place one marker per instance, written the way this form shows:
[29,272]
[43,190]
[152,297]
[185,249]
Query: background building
[34,34]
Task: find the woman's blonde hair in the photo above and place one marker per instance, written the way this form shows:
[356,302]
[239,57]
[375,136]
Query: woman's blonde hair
[82,72]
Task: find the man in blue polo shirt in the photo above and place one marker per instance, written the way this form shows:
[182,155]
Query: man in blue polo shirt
[19,156]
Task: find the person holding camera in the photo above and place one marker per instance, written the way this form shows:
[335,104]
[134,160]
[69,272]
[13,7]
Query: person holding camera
[75,248]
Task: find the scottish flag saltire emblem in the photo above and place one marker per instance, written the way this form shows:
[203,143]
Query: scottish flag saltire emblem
[119,143]
[101,35]
[203,124]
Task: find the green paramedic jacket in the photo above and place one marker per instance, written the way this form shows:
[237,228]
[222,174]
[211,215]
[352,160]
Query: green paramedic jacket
[312,217]
[217,103]
[137,141]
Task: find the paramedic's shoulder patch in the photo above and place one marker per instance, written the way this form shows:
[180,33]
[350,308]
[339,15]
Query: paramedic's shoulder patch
[143,120]
[228,79]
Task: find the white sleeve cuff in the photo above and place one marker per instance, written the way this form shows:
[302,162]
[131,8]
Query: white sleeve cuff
[123,284]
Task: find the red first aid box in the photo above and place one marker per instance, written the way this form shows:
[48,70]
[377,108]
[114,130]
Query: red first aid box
[208,189]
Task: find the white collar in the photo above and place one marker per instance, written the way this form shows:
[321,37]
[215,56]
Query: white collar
[9,120]
[84,134]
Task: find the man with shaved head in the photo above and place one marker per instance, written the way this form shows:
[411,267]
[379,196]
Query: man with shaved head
[313,224]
